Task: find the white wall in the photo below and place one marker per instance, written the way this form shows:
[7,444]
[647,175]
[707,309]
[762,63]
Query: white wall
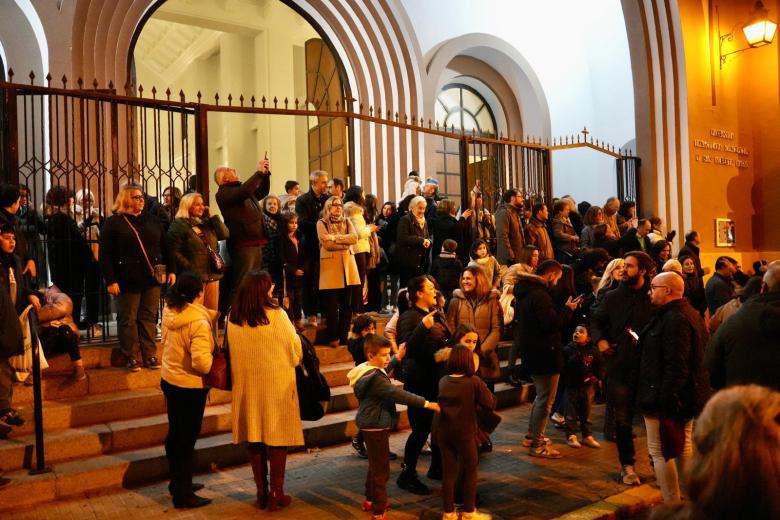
[579,52]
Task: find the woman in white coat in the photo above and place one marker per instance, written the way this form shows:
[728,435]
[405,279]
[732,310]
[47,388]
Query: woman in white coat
[264,351]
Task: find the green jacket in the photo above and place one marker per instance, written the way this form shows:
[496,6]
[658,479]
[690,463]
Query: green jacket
[188,252]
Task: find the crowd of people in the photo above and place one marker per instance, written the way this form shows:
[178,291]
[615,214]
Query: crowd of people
[594,303]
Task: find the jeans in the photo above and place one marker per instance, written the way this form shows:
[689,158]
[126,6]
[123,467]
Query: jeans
[378,448]
[459,459]
[667,471]
[185,416]
[546,387]
[311,285]
[577,404]
[621,397]
[137,322]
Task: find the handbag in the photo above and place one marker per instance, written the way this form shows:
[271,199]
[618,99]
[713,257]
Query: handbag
[312,386]
[219,375]
[216,261]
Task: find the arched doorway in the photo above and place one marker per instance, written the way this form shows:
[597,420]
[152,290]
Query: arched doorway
[228,54]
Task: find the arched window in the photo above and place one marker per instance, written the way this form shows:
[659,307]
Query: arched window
[462,109]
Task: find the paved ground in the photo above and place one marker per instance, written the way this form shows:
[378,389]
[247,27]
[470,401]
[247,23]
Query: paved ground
[327,484]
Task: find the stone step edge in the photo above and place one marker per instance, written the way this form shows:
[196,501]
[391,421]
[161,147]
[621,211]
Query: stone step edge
[124,434]
[627,504]
[134,468]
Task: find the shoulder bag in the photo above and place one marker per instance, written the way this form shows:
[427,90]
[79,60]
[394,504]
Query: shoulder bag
[216,261]
[157,271]
[219,375]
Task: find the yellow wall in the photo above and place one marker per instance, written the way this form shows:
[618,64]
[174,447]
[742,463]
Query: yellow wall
[742,97]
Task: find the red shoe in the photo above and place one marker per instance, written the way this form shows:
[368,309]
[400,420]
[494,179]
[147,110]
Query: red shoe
[369,505]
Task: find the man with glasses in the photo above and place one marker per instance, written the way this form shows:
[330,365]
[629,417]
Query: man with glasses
[309,207]
[673,384]
[240,207]
[615,326]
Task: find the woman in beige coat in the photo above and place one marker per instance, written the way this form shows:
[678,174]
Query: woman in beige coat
[338,269]
[264,351]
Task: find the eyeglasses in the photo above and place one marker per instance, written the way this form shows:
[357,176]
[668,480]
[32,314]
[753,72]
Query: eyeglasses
[137,197]
[336,205]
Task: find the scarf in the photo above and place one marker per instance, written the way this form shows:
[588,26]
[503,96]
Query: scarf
[420,220]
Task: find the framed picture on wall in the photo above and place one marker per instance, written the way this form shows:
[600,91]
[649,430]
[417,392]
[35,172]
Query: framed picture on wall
[724,233]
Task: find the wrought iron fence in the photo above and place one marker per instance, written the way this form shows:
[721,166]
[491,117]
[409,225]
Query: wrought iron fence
[91,141]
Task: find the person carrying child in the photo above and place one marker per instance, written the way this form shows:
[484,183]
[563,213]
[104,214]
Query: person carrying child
[461,392]
[583,370]
[377,416]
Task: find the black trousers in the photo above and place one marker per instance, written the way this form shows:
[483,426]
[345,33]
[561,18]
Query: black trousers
[378,448]
[185,415]
[421,421]
[356,299]
[311,285]
[460,462]
[577,405]
[337,312]
[621,397]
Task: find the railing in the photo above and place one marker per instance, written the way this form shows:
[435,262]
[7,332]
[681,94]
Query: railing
[96,139]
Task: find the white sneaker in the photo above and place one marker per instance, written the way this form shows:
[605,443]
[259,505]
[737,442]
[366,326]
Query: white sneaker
[573,442]
[558,418]
[590,442]
[475,515]
[630,477]
[528,441]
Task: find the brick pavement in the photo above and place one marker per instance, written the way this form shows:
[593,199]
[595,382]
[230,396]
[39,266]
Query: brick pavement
[328,484]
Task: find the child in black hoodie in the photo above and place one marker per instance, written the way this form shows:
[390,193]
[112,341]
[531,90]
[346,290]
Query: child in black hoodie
[447,268]
[583,370]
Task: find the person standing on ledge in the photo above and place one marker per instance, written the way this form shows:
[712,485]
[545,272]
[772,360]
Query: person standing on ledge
[243,217]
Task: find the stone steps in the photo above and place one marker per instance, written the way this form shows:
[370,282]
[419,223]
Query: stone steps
[131,468]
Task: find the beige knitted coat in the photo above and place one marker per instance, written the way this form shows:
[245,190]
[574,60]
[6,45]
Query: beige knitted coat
[265,399]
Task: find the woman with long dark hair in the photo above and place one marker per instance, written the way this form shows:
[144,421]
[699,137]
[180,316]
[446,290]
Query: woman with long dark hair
[264,351]
[272,218]
[188,346]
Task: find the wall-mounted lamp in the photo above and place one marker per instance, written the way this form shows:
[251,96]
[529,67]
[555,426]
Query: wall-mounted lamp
[759,30]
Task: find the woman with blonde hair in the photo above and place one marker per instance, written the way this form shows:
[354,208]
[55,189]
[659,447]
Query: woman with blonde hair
[734,471]
[264,351]
[131,245]
[612,276]
[338,269]
[362,249]
[190,237]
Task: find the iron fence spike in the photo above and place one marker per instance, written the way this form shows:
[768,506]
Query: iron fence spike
[241,99]
[95,83]
[275,101]
[32,77]
[48,79]
[338,106]
[296,103]
[230,99]
[216,98]
[11,74]
[80,82]
[199,95]
[371,111]
[285,103]
[263,101]
[111,84]
[181,95]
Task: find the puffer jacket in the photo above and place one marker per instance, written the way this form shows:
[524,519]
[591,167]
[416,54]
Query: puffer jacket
[673,380]
[363,234]
[377,396]
[188,252]
[486,317]
[540,324]
[56,309]
[188,345]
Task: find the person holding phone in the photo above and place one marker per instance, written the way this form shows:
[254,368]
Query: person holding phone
[614,325]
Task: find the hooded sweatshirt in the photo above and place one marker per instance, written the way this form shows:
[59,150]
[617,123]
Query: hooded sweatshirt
[188,343]
[377,396]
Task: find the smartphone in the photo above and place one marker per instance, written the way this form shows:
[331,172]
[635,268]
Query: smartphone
[632,333]
[580,297]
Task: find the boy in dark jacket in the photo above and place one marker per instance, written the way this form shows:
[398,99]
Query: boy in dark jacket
[447,268]
[583,369]
[376,416]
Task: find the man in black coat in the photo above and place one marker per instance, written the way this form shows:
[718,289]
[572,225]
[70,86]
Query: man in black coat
[673,384]
[746,347]
[240,207]
[719,288]
[691,248]
[308,207]
[541,324]
[615,324]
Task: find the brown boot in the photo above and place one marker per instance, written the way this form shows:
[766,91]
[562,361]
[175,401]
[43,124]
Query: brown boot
[277,455]
[258,458]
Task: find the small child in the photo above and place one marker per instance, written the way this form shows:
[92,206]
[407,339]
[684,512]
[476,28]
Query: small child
[447,268]
[377,416]
[361,327]
[292,261]
[460,393]
[582,371]
[480,255]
